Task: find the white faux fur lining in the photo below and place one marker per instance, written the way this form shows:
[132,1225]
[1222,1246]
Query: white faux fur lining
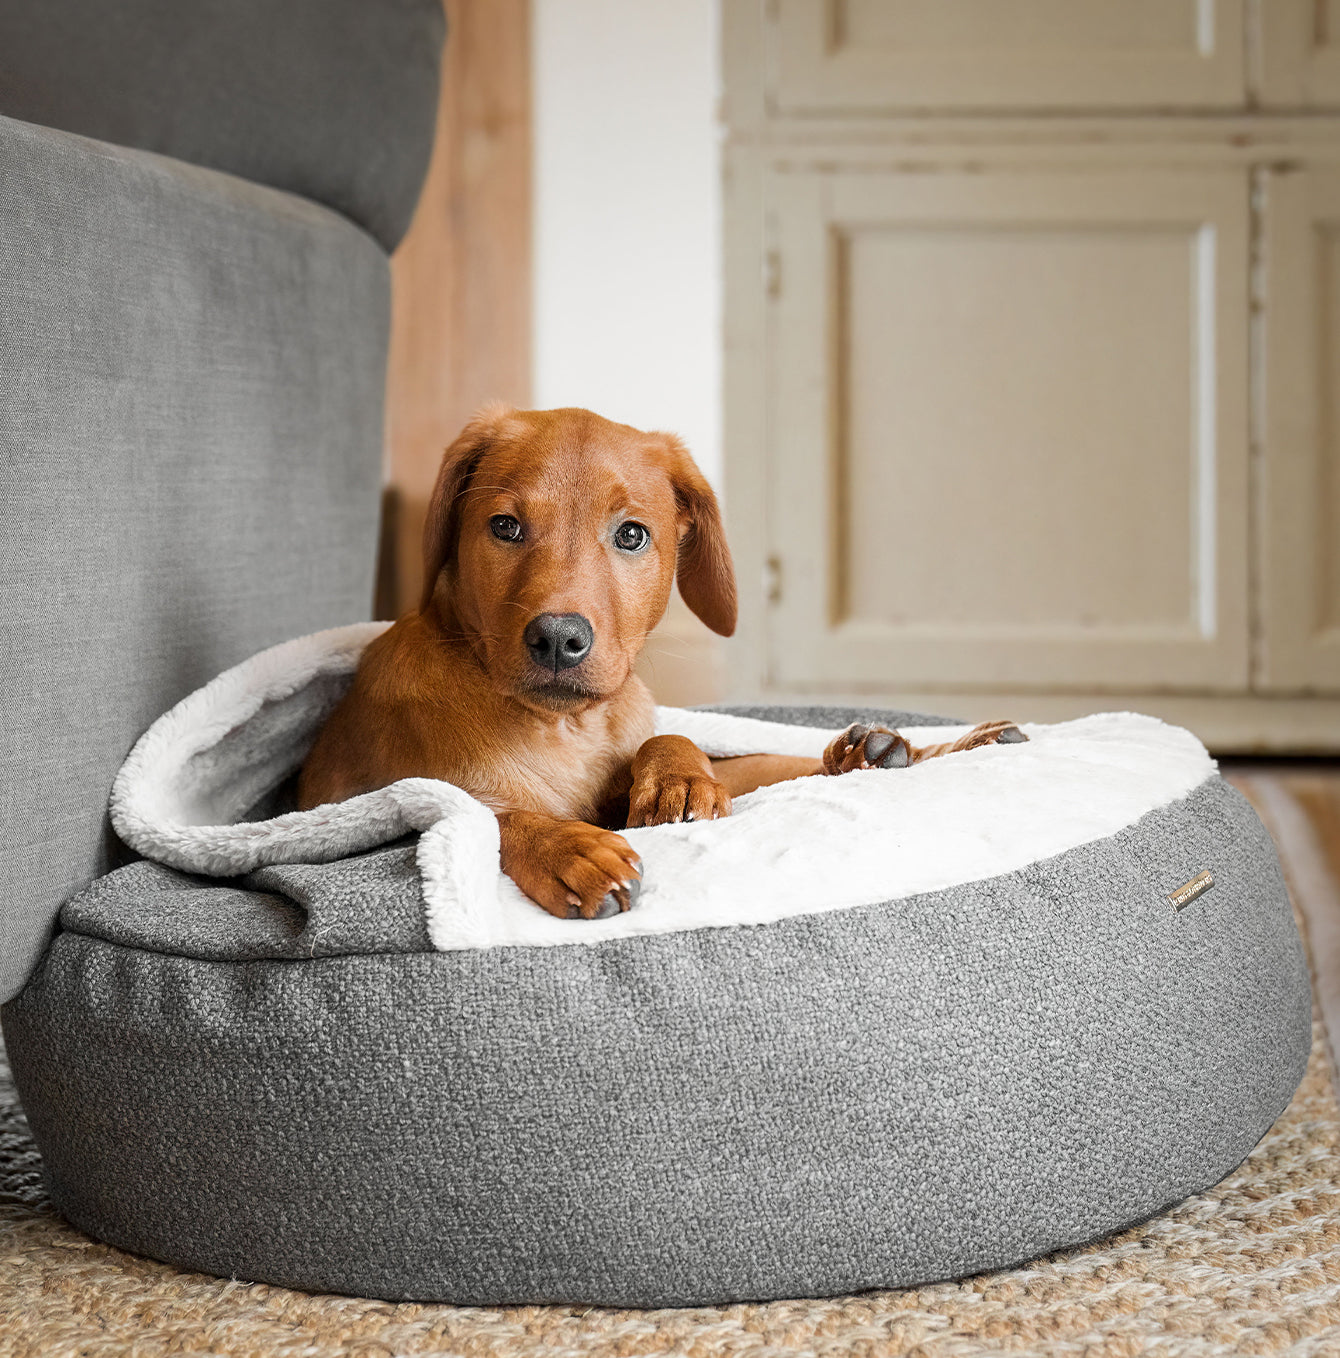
[172,803]
[803,847]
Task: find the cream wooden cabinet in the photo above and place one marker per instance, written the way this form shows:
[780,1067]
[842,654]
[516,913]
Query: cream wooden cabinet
[1300,485]
[1300,53]
[898,55]
[1033,358]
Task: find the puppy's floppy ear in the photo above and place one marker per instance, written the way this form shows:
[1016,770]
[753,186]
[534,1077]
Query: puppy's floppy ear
[706,575]
[442,526]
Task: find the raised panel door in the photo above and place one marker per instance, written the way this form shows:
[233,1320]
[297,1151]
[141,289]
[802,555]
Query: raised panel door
[1007,429]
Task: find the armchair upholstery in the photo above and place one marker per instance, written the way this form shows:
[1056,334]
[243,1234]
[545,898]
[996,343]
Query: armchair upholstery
[191,380]
[330,99]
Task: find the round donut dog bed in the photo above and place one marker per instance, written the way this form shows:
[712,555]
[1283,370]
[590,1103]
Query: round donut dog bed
[803,1064]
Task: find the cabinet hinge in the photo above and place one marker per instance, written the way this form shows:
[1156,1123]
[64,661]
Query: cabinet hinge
[772,273]
[772,579]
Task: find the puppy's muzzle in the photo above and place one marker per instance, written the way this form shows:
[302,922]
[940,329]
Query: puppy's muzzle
[558,641]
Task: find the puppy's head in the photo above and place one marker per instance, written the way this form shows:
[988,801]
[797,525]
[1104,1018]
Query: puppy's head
[552,542]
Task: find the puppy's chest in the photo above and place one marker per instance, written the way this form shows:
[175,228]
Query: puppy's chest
[566,773]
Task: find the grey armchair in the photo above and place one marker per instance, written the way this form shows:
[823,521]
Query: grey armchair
[196,205]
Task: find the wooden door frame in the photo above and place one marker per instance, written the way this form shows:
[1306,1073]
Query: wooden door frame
[461,281]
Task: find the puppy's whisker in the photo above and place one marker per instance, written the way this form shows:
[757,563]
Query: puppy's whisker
[678,650]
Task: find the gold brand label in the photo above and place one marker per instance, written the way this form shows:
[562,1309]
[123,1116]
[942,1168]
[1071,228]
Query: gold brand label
[1188,891]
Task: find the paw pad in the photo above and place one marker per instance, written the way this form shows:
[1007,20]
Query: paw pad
[887,750]
[867,747]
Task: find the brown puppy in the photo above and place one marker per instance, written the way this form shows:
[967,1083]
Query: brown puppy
[552,541]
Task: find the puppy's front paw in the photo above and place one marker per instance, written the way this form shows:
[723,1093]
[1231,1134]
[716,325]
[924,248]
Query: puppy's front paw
[667,798]
[866,747]
[577,871]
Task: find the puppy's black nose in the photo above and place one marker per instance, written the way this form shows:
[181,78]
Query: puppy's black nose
[558,641]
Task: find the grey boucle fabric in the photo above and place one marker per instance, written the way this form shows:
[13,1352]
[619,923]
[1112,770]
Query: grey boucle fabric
[368,903]
[191,376]
[830,717]
[332,99]
[872,1097]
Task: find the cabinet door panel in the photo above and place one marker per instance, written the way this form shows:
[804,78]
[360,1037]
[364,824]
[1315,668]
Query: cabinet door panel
[1008,432]
[1300,53]
[889,55]
[1301,520]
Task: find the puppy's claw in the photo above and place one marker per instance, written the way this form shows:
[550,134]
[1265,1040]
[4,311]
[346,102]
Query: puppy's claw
[623,897]
[1011,735]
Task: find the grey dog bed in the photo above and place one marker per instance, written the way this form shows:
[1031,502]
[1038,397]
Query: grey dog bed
[277,1076]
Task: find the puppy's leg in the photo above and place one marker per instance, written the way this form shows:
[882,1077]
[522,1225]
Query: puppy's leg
[987,733]
[870,747]
[744,772]
[572,869]
[858,747]
[673,780]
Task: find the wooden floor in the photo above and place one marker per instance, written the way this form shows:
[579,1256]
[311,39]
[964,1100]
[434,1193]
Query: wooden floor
[1299,801]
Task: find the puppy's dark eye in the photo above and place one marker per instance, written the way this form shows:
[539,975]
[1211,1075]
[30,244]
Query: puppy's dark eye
[505,528]
[631,537]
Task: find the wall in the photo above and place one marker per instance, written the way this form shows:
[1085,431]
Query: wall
[627,210]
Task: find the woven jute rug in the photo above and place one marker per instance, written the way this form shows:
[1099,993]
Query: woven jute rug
[1252,1267]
